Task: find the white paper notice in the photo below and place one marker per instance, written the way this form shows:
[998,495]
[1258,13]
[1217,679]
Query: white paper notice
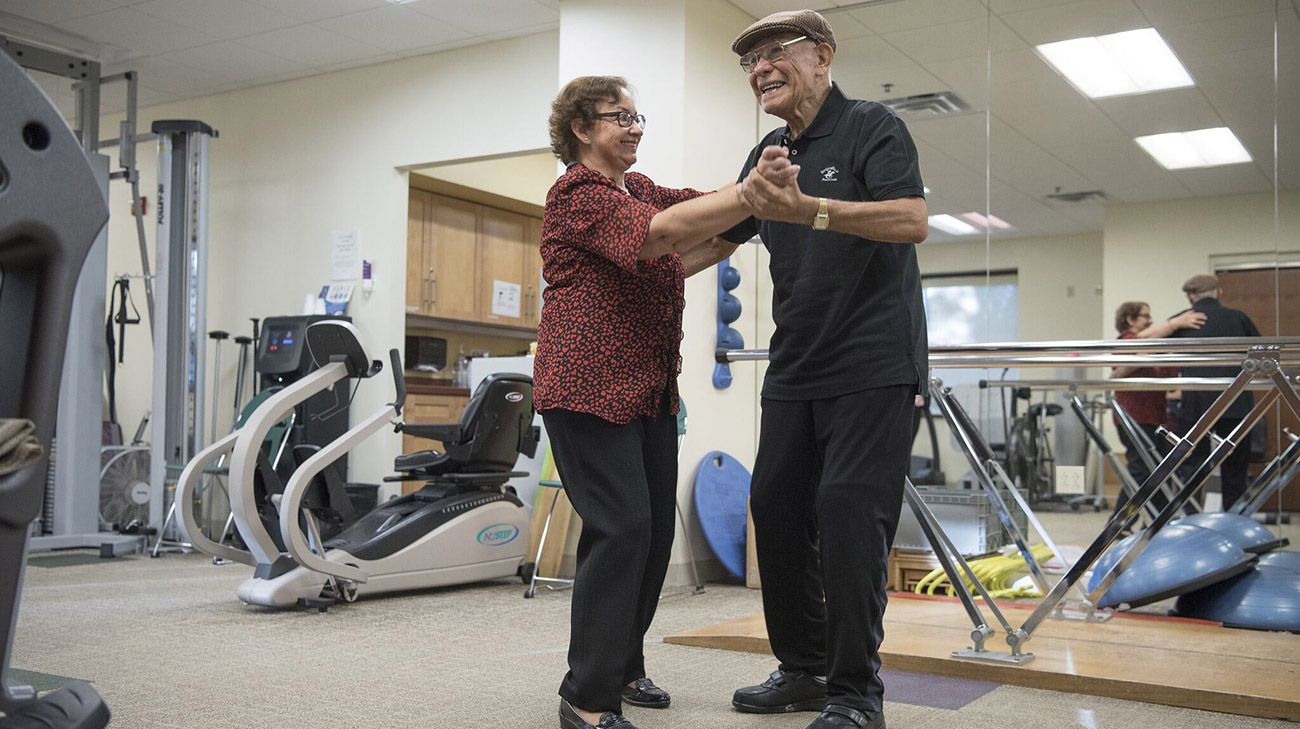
[505,298]
[345,256]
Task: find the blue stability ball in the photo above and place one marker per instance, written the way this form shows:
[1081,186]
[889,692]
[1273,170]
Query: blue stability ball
[729,338]
[728,308]
[1179,559]
[1285,560]
[1245,532]
[728,278]
[1264,598]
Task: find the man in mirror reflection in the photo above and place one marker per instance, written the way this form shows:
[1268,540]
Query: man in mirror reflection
[1220,321]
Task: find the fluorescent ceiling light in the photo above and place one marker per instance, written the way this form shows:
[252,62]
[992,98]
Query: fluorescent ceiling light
[1132,62]
[952,226]
[1201,148]
[992,221]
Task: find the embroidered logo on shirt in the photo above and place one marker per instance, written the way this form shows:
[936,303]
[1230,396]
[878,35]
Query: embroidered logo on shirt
[830,174]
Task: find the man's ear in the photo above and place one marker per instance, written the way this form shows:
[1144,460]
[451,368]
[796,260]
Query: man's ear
[825,54]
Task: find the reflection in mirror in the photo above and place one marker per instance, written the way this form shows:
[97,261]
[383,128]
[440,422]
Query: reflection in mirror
[1175,153]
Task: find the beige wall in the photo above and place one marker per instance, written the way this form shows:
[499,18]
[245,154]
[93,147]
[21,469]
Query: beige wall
[1151,248]
[299,159]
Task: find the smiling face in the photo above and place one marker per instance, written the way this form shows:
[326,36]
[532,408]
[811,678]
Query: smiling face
[1141,320]
[794,81]
[605,146]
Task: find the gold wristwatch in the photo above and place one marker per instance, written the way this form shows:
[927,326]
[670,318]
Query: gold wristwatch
[823,219]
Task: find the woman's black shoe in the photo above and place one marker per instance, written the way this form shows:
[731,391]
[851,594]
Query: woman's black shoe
[645,693]
[570,719]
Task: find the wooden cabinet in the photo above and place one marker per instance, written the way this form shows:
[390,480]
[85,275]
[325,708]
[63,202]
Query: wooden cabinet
[472,262]
[428,410]
[442,268]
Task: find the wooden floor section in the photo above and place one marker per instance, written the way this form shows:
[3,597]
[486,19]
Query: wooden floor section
[1171,661]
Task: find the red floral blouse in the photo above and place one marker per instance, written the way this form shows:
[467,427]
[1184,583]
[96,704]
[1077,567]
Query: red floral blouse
[609,339]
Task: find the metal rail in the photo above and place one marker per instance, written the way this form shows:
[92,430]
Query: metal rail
[1258,357]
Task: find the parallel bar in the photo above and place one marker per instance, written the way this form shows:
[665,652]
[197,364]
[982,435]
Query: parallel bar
[1140,384]
[1103,446]
[1279,472]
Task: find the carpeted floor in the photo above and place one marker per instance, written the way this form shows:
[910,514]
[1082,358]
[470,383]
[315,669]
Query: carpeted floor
[169,646]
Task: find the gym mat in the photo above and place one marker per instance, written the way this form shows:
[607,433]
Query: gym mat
[937,692]
[68,560]
[42,682]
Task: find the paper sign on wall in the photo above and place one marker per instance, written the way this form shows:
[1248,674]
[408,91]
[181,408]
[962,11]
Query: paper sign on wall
[345,256]
[505,298]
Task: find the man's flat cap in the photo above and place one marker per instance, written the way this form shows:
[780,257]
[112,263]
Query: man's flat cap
[1200,283]
[802,22]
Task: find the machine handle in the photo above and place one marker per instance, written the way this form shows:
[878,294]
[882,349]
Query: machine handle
[399,379]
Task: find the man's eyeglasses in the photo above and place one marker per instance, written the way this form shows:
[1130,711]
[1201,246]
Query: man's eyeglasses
[625,119]
[771,54]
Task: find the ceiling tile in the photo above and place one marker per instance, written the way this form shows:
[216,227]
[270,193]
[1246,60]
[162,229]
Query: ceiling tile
[1173,110]
[892,17]
[142,33]
[1025,166]
[313,10]
[1225,180]
[310,45]
[170,77]
[1079,20]
[1213,37]
[393,29]
[233,62]
[762,8]
[1002,7]
[950,41]
[359,62]
[960,138]
[1052,115]
[225,19]
[1182,12]
[1122,171]
[53,11]
[485,17]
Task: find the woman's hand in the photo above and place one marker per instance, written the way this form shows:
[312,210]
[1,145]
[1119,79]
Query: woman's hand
[1190,319]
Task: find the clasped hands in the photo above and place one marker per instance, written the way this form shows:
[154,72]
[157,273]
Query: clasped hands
[771,190]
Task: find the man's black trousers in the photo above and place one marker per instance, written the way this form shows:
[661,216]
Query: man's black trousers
[826,497]
[622,481]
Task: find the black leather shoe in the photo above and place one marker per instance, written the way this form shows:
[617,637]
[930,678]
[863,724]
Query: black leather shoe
[570,719]
[783,691]
[646,693]
[844,717]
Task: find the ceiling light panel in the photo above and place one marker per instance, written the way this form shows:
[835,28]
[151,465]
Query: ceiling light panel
[1200,148]
[1119,64]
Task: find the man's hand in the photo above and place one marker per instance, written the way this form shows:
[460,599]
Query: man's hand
[772,189]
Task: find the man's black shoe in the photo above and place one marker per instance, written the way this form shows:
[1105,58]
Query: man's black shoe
[783,691]
[844,717]
[570,719]
[645,693]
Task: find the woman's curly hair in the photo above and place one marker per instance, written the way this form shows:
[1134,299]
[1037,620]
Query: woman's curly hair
[1126,311]
[577,100]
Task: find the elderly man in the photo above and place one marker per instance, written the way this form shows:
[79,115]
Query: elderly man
[839,206]
[1220,321]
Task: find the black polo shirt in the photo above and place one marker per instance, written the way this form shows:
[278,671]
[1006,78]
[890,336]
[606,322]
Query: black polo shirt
[1220,321]
[848,311]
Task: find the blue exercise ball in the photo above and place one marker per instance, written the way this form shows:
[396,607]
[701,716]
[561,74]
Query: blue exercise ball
[1263,598]
[1180,558]
[729,338]
[728,308]
[1280,558]
[728,278]
[1245,532]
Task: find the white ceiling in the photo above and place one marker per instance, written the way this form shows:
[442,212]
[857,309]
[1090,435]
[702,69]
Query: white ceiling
[1044,136]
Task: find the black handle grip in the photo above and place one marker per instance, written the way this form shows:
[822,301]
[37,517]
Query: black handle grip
[399,379]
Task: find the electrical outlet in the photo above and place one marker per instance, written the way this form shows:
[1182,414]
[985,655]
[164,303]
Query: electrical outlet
[1069,480]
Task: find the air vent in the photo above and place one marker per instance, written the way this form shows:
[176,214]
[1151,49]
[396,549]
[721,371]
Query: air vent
[1082,196]
[928,106]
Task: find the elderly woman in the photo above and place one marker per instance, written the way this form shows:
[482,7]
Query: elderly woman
[1148,408]
[615,250]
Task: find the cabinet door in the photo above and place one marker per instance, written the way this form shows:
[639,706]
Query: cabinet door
[501,245]
[533,273]
[452,259]
[417,238]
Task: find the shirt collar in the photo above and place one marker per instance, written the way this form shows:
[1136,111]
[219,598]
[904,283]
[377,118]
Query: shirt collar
[827,116]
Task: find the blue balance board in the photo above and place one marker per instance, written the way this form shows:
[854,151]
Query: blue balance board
[721,500]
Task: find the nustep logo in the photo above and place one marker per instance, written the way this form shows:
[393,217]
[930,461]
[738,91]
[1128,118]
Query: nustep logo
[498,534]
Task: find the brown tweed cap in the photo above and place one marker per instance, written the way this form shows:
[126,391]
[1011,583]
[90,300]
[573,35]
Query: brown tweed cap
[1200,283]
[803,22]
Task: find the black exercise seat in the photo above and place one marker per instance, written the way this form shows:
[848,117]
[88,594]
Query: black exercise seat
[484,445]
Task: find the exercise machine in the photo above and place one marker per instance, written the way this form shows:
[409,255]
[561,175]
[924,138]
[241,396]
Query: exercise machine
[463,525]
[51,210]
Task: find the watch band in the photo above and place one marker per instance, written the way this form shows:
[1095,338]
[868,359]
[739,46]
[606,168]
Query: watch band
[823,219]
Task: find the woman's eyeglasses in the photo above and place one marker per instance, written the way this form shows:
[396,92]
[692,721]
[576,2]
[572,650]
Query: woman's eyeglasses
[625,119]
[771,54]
